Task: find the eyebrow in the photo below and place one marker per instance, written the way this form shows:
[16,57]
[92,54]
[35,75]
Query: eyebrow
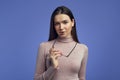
[62,21]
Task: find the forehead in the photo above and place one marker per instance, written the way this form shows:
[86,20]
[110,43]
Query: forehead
[61,17]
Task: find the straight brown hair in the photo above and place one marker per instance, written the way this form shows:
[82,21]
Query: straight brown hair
[62,10]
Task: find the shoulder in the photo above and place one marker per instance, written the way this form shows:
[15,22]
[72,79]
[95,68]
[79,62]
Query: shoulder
[45,44]
[83,47]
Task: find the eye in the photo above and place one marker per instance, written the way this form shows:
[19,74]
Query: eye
[56,24]
[65,22]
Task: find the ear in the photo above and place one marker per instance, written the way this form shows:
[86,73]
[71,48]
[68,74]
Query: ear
[73,22]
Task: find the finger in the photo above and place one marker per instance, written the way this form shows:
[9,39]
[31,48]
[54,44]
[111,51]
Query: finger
[54,50]
[57,55]
[51,50]
[57,52]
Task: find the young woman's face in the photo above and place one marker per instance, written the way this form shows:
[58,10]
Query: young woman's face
[63,25]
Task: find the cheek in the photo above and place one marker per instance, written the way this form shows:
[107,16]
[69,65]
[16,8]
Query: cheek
[56,29]
[69,28]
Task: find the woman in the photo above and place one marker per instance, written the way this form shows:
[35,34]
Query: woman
[62,57]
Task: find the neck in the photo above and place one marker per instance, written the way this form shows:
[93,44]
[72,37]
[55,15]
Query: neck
[66,39]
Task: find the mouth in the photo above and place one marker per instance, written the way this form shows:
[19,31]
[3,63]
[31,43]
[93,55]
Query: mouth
[61,33]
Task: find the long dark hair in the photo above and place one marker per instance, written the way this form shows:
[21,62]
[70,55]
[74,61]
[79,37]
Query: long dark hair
[62,10]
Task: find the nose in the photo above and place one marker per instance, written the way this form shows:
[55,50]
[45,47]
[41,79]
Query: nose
[61,26]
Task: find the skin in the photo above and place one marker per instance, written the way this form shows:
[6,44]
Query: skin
[63,30]
[63,26]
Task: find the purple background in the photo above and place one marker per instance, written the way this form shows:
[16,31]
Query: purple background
[25,23]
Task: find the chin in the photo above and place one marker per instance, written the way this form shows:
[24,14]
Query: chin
[62,36]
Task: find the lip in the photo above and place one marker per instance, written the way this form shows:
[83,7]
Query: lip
[62,33]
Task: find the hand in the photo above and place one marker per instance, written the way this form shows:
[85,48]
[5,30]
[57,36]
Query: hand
[54,54]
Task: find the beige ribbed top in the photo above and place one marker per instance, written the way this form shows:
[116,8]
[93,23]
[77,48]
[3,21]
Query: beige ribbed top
[72,67]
